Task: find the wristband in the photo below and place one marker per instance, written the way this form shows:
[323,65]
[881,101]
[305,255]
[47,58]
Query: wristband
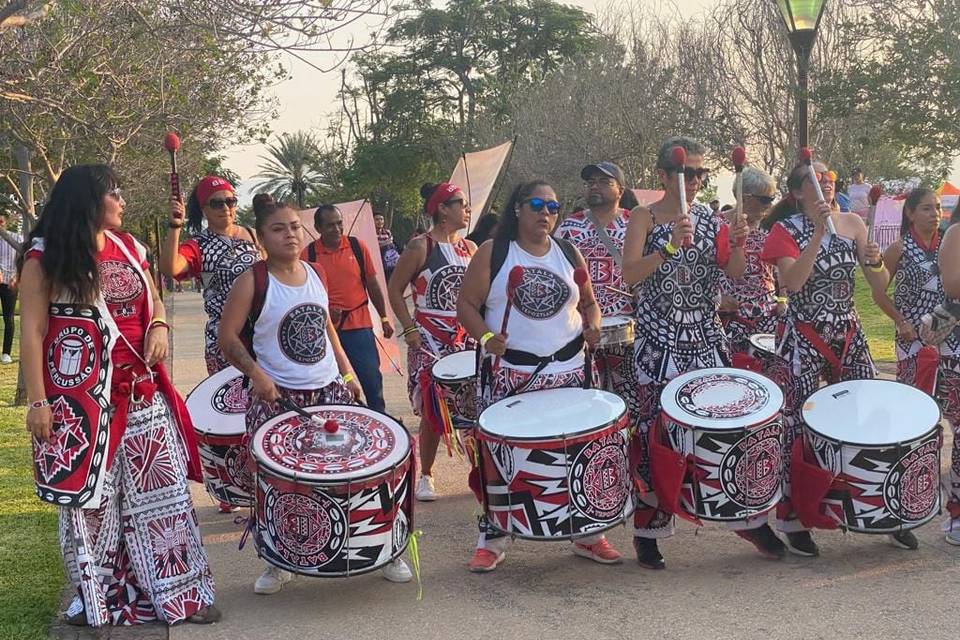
[782,299]
[384,319]
[669,248]
[485,338]
[876,267]
[408,330]
[40,404]
[159,323]
[347,378]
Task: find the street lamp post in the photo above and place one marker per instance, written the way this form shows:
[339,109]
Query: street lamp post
[802,18]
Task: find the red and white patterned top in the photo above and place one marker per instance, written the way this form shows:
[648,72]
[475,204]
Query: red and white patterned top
[604,272]
[756,291]
[435,292]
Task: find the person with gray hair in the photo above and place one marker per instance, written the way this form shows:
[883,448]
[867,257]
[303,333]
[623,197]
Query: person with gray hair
[751,305]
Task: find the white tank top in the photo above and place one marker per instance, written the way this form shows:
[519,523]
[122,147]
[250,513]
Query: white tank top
[290,337]
[544,317]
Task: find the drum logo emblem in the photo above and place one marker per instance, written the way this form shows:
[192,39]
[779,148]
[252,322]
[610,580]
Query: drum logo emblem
[231,397]
[722,396]
[71,357]
[912,488]
[599,485]
[751,470]
[309,529]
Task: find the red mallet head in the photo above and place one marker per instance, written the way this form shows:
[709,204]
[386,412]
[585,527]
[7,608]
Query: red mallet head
[515,278]
[580,276]
[331,426]
[171,142]
[679,157]
[806,155]
[739,157]
[876,191]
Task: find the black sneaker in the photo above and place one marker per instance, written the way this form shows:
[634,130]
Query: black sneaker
[801,544]
[648,555]
[905,540]
[766,542]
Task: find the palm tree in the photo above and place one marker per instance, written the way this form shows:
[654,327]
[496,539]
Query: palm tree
[290,171]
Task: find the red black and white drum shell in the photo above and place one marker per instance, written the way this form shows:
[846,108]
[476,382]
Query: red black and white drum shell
[352,524]
[562,487]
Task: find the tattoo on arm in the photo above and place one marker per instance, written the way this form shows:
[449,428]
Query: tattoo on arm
[238,355]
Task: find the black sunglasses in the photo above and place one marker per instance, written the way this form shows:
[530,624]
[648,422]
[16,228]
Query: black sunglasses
[689,173]
[219,203]
[537,205]
[761,199]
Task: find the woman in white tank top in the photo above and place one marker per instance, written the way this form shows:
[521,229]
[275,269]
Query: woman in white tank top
[296,354]
[551,318]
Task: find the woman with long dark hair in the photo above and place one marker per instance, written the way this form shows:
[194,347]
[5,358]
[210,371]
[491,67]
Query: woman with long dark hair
[485,228]
[543,348]
[820,337]
[216,254]
[675,258]
[432,265]
[93,337]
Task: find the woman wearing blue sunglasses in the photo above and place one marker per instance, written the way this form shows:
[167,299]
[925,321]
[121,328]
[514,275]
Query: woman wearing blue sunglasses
[551,318]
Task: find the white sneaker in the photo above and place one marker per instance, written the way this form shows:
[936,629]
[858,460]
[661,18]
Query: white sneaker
[397,571]
[6,359]
[425,489]
[271,580]
[952,529]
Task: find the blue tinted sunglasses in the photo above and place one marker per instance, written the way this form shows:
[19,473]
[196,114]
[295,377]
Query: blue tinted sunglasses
[537,205]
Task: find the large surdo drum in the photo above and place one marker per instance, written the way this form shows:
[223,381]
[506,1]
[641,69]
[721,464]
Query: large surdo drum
[456,375]
[881,441]
[332,504]
[554,463]
[727,424]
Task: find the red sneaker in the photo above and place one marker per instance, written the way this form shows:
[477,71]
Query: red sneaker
[226,508]
[485,561]
[601,551]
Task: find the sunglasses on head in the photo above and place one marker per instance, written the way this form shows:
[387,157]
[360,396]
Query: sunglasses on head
[219,203]
[761,199]
[538,204]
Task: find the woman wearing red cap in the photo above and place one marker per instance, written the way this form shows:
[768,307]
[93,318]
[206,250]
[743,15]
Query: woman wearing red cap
[432,265]
[217,254]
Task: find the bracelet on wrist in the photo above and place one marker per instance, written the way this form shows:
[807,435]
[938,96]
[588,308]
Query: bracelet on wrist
[158,323]
[485,338]
[782,299]
[349,377]
[874,266]
[407,331]
[670,248]
[40,404]
[384,319]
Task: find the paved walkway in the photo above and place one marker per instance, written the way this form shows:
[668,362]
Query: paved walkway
[715,585]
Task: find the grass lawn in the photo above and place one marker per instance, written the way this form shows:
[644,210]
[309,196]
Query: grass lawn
[877,326]
[31,573]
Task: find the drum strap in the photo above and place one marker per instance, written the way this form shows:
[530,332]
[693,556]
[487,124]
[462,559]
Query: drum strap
[527,359]
[835,362]
[606,240]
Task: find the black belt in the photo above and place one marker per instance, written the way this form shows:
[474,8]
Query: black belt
[526,359]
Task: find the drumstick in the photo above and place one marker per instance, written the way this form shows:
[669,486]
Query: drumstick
[172,144]
[514,280]
[290,406]
[386,353]
[679,158]
[739,157]
[876,191]
[430,353]
[581,278]
[806,156]
[610,287]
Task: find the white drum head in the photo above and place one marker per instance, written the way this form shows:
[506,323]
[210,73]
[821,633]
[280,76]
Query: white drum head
[615,321]
[456,366]
[218,405]
[721,399]
[547,414]
[366,444]
[764,342]
[870,412]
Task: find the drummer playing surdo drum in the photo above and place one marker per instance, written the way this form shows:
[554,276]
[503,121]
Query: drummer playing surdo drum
[432,265]
[296,352]
[677,258]
[598,233]
[820,337]
[750,305]
[544,323]
[948,383]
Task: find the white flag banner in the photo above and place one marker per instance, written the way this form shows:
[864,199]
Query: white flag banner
[477,172]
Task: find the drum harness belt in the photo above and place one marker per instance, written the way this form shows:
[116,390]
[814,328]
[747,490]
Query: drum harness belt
[527,359]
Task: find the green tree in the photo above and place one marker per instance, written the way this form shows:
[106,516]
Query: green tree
[292,168]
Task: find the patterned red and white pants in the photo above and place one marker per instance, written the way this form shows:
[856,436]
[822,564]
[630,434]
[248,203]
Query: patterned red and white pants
[138,557]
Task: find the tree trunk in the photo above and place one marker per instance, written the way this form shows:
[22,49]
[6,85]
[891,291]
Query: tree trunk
[25,177]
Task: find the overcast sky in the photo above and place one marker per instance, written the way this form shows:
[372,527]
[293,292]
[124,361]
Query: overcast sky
[308,96]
